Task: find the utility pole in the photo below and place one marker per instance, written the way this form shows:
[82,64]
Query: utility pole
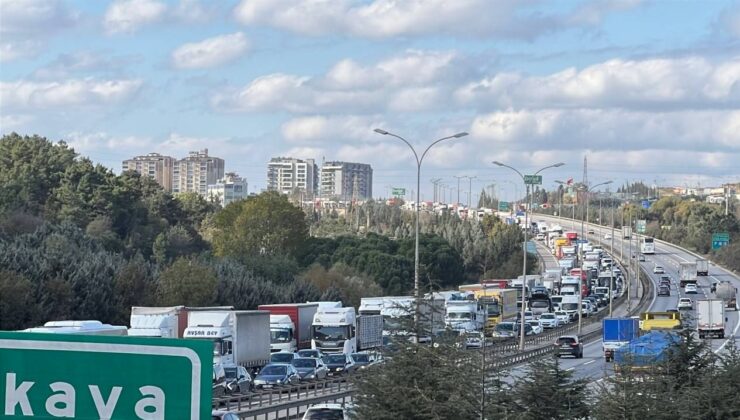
[458,188]
[470,190]
[611,277]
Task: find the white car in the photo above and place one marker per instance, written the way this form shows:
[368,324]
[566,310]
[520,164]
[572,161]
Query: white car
[658,270]
[607,236]
[685,303]
[690,288]
[563,317]
[536,326]
[549,320]
[326,411]
[540,237]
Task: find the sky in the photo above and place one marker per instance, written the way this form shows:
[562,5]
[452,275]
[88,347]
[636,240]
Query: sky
[646,90]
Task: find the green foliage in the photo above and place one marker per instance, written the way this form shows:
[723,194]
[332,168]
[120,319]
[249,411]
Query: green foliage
[547,391]
[16,301]
[265,224]
[187,282]
[341,279]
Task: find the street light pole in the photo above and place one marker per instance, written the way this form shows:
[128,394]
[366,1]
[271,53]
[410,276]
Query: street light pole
[524,247]
[458,189]
[419,161]
[470,189]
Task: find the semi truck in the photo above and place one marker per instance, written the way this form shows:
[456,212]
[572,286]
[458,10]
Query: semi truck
[465,315]
[290,325]
[702,267]
[617,332]
[626,232]
[239,337]
[340,330]
[398,314]
[728,293]
[687,273]
[660,321]
[499,305]
[166,322]
[88,327]
[710,318]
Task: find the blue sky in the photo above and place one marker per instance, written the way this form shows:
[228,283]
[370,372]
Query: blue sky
[648,90]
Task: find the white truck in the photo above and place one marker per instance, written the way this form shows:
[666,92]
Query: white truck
[340,330]
[465,315]
[398,314]
[290,325]
[626,232]
[79,327]
[551,279]
[687,273]
[166,322]
[239,337]
[728,293]
[702,267]
[710,318]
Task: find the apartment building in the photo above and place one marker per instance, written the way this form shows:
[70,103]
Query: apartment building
[153,165]
[230,188]
[288,175]
[195,172]
[339,180]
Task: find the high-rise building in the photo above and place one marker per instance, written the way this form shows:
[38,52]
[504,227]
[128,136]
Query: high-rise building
[339,180]
[153,165]
[288,175]
[228,189]
[195,172]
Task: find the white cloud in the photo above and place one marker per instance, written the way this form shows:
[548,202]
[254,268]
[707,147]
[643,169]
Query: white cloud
[211,52]
[13,122]
[691,82]
[74,92]
[730,21]
[126,16]
[336,129]
[26,25]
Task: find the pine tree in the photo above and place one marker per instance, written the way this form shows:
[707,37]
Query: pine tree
[549,392]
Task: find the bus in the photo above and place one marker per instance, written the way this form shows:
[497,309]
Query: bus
[647,245]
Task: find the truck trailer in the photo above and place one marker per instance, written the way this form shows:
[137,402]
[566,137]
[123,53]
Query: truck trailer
[166,322]
[646,353]
[617,332]
[340,330]
[702,267]
[290,325]
[687,273]
[710,318]
[728,293]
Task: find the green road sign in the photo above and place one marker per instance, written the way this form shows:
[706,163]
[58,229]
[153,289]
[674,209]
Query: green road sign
[533,179]
[720,239]
[48,375]
[503,206]
[641,226]
[399,192]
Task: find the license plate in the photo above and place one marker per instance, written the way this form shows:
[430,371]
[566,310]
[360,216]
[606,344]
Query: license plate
[267,386]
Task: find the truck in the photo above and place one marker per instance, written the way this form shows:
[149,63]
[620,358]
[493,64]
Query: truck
[687,273]
[88,327]
[551,279]
[499,305]
[398,314]
[728,293]
[465,315]
[645,353]
[239,337]
[702,267]
[626,232]
[340,330]
[650,321]
[617,332]
[710,318]
[290,325]
[166,322]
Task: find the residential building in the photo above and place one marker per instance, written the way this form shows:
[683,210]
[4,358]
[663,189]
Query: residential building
[339,180]
[289,175]
[153,165]
[228,189]
[195,172]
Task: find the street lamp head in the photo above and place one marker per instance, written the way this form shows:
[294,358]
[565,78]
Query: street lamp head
[379,131]
[557,165]
[608,182]
[497,163]
[458,135]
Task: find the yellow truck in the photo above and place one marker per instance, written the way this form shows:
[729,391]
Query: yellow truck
[650,321]
[500,305]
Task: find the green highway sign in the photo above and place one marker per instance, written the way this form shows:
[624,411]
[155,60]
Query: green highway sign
[399,192]
[720,239]
[533,179]
[641,226]
[48,375]
[503,206]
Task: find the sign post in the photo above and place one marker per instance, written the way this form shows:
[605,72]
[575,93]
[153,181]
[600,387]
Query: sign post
[503,206]
[720,239]
[641,226]
[93,377]
[399,192]
[533,179]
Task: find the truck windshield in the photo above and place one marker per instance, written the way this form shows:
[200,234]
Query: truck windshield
[324,332]
[280,336]
[493,309]
[569,306]
[459,315]
[539,304]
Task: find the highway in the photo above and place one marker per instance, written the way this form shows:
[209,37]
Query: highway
[592,365]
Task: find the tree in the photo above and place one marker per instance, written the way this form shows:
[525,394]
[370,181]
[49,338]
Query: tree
[133,285]
[16,301]
[548,392]
[187,282]
[265,224]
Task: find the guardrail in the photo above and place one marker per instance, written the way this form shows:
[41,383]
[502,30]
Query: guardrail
[252,400]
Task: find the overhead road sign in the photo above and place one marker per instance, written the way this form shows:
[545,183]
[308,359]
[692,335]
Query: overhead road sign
[641,226]
[49,375]
[720,239]
[399,192]
[533,179]
[503,206]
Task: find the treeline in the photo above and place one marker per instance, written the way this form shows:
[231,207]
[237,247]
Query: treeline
[446,381]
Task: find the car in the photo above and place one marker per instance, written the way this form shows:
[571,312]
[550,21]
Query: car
[536,326]
[666,280]
[569,345]
[339,364]
[310,368]
[641,258]
[658,270]
[223,415]
[238,380]
[528,315]
[685,303]
[563,317]
[603,299]
[591,231]
[690,288]
[282,357]
[549,320]
[607,236]
[219,381]
[664,290]
[505,329]
[316,354]
[363,360]
[326,412]
[276,374]
[540,237]
[540,291]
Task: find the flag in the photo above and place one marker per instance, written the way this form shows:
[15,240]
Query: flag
[570,181]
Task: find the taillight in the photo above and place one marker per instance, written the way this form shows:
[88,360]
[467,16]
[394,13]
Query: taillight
[574,345]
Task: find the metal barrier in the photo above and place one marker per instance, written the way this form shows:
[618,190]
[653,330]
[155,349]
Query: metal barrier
[305,390]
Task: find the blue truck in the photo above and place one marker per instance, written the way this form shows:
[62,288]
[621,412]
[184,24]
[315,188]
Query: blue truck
[646,352]
[617,332]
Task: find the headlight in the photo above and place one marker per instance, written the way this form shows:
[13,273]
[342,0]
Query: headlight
[311,376]
[339,369]
[279,381]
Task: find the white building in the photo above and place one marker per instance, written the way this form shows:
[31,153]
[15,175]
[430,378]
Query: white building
[339,180]
[228,189]
[196,172]
[153,165]
[288,175]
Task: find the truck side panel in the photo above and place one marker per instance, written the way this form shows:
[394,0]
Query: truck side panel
[252,339]
[369,332]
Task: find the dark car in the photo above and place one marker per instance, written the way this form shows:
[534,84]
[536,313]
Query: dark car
[283,357]
[569,345]
[310,368]
[310,353]
[339,364]
[276,374]
[238,380]
[664,290]
[540,291]
[363,360]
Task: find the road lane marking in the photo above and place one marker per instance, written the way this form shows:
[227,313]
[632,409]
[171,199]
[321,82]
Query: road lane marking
[589,362]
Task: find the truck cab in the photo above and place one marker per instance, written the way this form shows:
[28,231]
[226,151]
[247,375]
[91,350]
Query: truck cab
[465,315]
[282,334]
[334,330]
[214,326]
